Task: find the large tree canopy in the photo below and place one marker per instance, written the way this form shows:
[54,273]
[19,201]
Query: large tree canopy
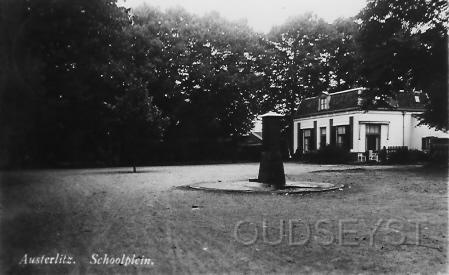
[307,56]
[311,56]
[69,66]
[208,81]
[404,47]
[87,81]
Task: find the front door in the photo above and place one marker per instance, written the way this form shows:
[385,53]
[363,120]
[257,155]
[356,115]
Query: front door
[372,137]
[372,142]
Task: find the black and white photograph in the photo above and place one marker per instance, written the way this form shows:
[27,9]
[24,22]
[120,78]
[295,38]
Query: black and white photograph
[224,137]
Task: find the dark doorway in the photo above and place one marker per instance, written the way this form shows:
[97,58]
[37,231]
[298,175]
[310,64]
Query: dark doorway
[372,137]
[372,142]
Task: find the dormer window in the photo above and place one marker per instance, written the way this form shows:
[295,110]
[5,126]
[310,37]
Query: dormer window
[323,103]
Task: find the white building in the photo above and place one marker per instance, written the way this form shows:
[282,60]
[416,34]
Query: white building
[338,119]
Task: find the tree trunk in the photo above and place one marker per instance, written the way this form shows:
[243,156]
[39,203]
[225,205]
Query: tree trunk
[133,158]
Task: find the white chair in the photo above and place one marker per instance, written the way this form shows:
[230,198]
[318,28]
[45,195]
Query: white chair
[361,157]
[373,156]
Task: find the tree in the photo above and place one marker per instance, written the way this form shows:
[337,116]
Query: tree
[345,58]
[404,47]
[309,56]
[67,63]
[208,80]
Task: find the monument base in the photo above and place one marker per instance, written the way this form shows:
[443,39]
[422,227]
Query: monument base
[271,170]
[257,187]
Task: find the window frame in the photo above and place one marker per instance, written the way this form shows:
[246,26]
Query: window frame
[340,136]
[426,143]
[307,139]
[322,103]
[323,135]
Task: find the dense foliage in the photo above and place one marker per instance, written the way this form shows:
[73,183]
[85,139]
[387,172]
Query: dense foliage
[403,46]
[87,82]
[71,90]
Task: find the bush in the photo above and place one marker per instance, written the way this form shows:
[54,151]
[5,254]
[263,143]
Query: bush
[327,155]
[406,156]
[439,154]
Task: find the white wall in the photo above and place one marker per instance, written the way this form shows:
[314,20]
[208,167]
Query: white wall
[390,132]
[340,120]
[322,121]
[295,136]
[396,129]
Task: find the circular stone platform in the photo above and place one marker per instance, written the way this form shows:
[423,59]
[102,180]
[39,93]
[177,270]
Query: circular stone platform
[257,187]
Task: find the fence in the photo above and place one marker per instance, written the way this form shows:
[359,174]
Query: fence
[394,149]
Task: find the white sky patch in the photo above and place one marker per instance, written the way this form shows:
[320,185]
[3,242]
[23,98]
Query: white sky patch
[261,15]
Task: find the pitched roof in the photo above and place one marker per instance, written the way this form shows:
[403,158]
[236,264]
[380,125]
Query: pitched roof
[348,100]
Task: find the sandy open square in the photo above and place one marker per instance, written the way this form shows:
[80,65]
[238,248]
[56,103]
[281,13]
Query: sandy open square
[84,212]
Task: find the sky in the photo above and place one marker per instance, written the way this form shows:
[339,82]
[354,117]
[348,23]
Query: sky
[261,15]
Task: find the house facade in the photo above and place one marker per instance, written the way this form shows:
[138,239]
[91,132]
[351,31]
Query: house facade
[338,119]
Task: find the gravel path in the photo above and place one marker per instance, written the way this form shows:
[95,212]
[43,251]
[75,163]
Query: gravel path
[87,211]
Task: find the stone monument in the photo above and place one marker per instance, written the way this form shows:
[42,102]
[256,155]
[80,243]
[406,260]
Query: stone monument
[271,168]
[271,177]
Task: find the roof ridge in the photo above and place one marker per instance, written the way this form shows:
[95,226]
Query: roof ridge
[339,92]
[349,90]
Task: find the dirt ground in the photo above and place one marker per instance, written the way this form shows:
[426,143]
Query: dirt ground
[82,212]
